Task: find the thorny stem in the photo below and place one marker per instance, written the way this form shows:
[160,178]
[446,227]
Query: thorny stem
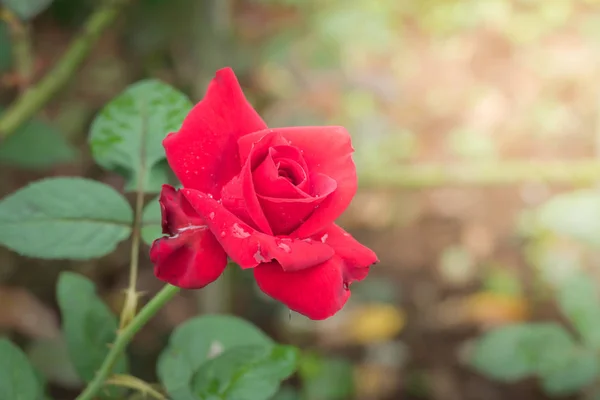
[131,296]
[124,336]
[32,100]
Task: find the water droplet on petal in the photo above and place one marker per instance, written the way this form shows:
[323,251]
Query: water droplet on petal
[239,232]
[222,233]
[285,247]
[211,215]
[324,238]
[346,286]
[258,257]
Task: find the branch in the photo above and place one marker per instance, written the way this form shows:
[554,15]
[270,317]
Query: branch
[20,36]
[131,294]
[572,172]
[124,336]
[30,102]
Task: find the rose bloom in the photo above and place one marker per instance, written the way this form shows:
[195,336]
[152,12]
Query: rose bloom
[265,197]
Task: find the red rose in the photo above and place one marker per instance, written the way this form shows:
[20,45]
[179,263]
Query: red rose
[267,198]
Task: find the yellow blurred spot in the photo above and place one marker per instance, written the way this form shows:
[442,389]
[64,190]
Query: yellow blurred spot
[375,323]
[488,308]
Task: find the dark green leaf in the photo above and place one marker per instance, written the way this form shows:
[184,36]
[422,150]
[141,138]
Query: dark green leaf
[326,378]
[26,9]
[88,325]
[36,145]
[18,379]
[197,340]
[126,137]
[580,371]
[64,217]
[517,351]
[151,221]
[245,372]
[579,300]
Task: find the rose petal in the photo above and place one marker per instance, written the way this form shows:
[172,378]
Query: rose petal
[268,181]
[239,195]
[176,212]
[316,292]
[203,153]
[357,258]
[249,247]
[190,257]
[326,150]
[190,260]
[321,291]
[285,215]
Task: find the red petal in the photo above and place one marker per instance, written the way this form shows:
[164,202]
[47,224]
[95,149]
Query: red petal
[357,258]
[285,215]
[269,182]
[239,195]
[321,291]
[190,260]
[249,247]
[176,212]
[204,154]
[316,292]
[326,150]
[190,257]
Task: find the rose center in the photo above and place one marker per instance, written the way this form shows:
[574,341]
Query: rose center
[291,170]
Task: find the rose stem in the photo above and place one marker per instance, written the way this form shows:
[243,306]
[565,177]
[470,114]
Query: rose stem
[124,336]
[34,98]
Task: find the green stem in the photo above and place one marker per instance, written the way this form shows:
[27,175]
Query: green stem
[32,100]
[124,336]
[131,295]
[20,36]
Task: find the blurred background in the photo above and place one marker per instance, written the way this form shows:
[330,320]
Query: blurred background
[476,125]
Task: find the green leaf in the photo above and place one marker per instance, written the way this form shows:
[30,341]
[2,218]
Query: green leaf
[580,371]
[326,378]
[579,301]
[245,373]
[151,221]
[126,137]
[575,215]
[36,145]
[514,352]
[195,342]
[59,218]
[26,9]
[18,379]
[88,325]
